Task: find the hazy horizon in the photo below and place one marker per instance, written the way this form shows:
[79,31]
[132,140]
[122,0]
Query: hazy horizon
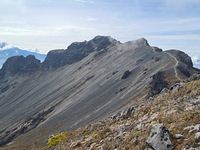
[52,24]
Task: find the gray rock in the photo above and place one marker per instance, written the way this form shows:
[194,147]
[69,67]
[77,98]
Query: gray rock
[126,74]
[179,136]
[190,148]
[193,128]
[75,144]
[197,136]
[127,112]
[158,84]
[124,114]
[160,138]
[165,90]
[193,77]
[156,49]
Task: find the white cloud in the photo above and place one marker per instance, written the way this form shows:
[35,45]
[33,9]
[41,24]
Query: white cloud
[181,4]
[85,1]
[92,19]
[12,4]
[42,31]
[4,46]
[195,59]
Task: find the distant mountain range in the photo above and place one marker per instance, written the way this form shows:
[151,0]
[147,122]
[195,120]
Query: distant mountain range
[7,51]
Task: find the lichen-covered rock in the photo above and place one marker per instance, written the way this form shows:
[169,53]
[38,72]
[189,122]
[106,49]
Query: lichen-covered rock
[160,138]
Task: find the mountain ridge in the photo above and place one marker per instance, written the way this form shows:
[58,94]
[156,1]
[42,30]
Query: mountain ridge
[89,89]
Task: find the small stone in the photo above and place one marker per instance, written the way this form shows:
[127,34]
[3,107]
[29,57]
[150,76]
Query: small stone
[179,136]
[93,145]
[191,148]
[75,144]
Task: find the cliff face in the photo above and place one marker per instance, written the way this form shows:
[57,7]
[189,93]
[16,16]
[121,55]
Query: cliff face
[77,51]
[19,65]
[85,83]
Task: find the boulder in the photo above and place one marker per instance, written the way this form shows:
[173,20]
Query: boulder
[126,74]
[160,138]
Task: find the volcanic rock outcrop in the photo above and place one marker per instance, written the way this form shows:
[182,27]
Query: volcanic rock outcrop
[19,65]
[77,51]
[87,82]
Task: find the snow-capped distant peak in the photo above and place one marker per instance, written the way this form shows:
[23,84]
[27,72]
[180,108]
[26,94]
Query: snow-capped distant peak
[6,46]
[7,50]
[3,44]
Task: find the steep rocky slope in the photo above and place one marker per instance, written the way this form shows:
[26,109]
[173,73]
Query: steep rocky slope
[85,83]
[167,121]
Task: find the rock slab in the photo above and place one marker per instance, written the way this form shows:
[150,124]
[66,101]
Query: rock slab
[160,138]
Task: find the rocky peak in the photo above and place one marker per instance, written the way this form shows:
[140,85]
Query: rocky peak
[19,65]
[77,51]
[104,39]
[141,41]
[97,43]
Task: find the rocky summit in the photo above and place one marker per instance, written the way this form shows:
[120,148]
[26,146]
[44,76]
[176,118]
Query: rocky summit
[84,84]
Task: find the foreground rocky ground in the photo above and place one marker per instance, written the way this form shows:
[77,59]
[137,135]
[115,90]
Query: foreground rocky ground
[170,120]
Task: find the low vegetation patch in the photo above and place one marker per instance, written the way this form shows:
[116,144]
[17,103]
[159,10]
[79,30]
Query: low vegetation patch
[56,139]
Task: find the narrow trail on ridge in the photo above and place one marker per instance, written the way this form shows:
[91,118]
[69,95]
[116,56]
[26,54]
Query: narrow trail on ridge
[175,70]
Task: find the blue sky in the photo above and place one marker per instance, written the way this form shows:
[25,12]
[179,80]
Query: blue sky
[52,24]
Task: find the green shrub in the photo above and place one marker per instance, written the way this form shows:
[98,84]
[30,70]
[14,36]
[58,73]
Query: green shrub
[55,140]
